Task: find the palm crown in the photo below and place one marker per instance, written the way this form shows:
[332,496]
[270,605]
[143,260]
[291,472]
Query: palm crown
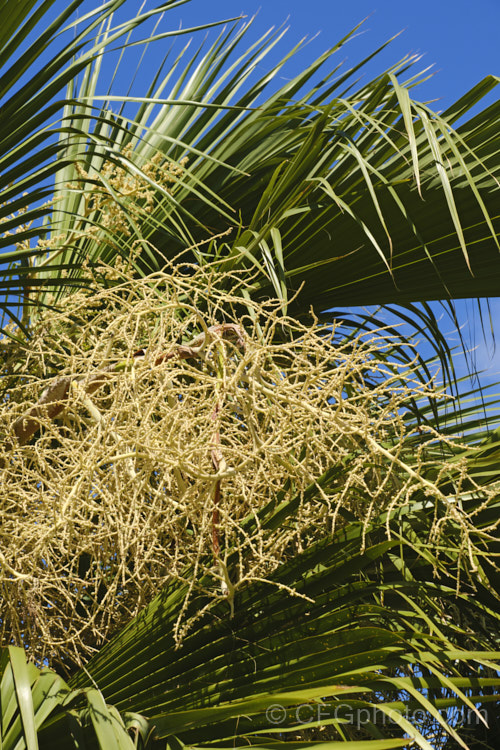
[323,193]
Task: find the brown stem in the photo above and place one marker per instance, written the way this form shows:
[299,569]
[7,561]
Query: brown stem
[216,456]
[215,522]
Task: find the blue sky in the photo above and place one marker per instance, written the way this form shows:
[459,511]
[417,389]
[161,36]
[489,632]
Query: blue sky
[458,37]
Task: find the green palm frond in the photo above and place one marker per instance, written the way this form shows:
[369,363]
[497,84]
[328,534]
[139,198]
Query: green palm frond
[353,194]
[336,628]
[34,699]
[41,56]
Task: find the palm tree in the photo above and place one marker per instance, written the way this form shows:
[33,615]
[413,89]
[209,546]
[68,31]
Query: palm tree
[323,193]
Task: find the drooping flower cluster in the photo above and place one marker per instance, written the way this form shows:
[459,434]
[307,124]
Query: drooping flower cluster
[154,425]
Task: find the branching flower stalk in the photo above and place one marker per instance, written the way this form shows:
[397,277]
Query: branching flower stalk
[112,200]
[220,467]
[154,422]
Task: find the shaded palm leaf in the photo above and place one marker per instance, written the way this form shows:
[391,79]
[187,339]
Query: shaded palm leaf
[361,618]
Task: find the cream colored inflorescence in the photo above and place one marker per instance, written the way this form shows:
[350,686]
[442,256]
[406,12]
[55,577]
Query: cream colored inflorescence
[152,420]
[125,194]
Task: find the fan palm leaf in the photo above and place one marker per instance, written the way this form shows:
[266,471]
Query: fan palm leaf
[353,194]
[361,618]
